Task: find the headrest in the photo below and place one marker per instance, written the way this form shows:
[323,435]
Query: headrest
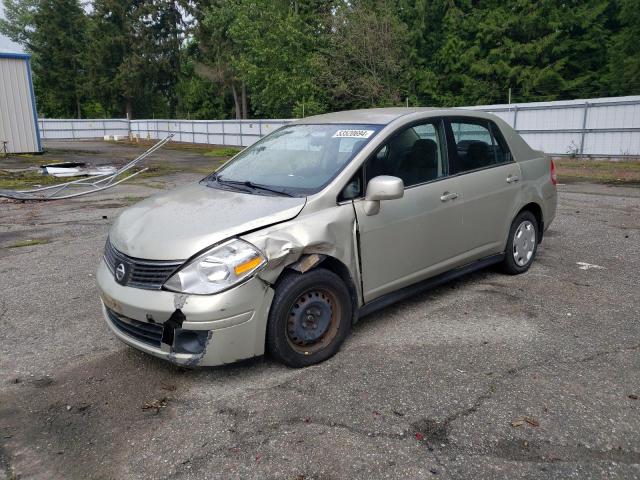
[478,151]
[424,152]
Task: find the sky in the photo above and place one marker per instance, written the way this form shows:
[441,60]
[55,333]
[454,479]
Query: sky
[5,43]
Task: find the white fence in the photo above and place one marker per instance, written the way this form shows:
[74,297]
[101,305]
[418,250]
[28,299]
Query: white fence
[214,132]
[595,127]
[600,126]
[81,129]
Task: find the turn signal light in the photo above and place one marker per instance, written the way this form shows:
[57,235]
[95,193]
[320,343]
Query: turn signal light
[248,265]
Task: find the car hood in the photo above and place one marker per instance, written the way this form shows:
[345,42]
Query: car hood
[177,224]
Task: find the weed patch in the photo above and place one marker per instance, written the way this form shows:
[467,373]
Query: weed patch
[223,152]
[29,243]
[596,171]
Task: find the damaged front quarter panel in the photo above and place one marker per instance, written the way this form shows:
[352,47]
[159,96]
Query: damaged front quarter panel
[303,243]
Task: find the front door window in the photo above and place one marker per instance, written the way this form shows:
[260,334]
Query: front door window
[416,155]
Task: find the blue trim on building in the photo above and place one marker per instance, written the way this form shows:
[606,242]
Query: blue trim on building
[33,103]
[21,56]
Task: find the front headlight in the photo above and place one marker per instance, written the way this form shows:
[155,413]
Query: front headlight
[218,269]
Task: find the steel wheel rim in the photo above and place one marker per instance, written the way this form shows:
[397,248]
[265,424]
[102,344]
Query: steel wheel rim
[524,243]
[308,335]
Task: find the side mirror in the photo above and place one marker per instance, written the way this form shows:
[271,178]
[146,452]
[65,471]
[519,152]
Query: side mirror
[383,187]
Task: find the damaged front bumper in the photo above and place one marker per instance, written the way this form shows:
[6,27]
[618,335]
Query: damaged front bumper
[188,330]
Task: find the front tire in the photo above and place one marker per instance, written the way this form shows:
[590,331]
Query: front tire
[522,244]
[310,317]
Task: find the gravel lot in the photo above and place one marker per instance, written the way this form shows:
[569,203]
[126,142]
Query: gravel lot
[490,376]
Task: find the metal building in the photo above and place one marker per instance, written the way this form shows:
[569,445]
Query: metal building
[18,118]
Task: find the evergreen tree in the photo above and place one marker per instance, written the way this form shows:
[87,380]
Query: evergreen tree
[624,53]
[282,58]
[217,50]
[19,19]
[134,55]
[56,44]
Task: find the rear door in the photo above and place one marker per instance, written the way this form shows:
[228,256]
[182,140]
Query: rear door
[489,180]
[416,236]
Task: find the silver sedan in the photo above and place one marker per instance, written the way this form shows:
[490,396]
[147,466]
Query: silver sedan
[318,224]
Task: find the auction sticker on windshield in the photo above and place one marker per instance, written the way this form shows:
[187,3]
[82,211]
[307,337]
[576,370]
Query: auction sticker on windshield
[353,134]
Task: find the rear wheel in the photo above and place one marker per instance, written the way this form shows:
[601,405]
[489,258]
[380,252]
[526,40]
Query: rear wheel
[522,244]
[310,317]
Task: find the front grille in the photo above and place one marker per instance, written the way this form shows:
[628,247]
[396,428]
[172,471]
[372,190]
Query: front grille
[149,333]
[148,274]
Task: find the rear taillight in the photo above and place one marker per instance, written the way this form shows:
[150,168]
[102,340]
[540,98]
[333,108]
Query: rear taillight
[554,176]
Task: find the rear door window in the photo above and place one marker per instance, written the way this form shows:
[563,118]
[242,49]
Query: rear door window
[476,145]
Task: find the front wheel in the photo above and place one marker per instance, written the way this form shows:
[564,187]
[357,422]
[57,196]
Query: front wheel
[522,244]
[309,318]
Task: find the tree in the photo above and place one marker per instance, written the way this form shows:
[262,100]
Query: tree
[541,50]
[282,58]
[56,44]
[624,52]
[161,34]
[275,56]
[19,20]
[134,55]
[53,32]
[365,62]
[198,98]
[217,50]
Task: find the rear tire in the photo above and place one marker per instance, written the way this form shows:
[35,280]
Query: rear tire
[522,244]
[309,319]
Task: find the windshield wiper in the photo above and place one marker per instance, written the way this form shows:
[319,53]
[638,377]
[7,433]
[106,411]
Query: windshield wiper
[266,188]
[228,183]
[254,186]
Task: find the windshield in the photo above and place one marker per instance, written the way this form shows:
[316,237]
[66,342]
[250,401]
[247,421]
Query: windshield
[296,160]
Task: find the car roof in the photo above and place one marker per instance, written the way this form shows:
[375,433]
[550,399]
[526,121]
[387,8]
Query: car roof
[383,116]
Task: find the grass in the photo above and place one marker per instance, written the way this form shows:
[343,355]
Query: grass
[25,160]
[70,151]
[29,243]
[28,179]
[223,152]
[188,147]
[164,169]
[598,171]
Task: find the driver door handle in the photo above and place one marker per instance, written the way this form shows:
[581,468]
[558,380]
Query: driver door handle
[513,179]
[446,196]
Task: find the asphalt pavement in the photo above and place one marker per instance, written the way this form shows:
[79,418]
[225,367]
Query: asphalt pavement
[489,376]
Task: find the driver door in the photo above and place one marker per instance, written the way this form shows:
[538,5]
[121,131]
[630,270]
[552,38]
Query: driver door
[419,235]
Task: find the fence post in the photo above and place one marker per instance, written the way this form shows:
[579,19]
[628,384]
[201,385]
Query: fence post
[73,130]
[584,127]
[515,117]
[223,142]
[208,140]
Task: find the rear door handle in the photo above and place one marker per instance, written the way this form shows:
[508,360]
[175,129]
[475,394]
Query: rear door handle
[513,179]
[446,196]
